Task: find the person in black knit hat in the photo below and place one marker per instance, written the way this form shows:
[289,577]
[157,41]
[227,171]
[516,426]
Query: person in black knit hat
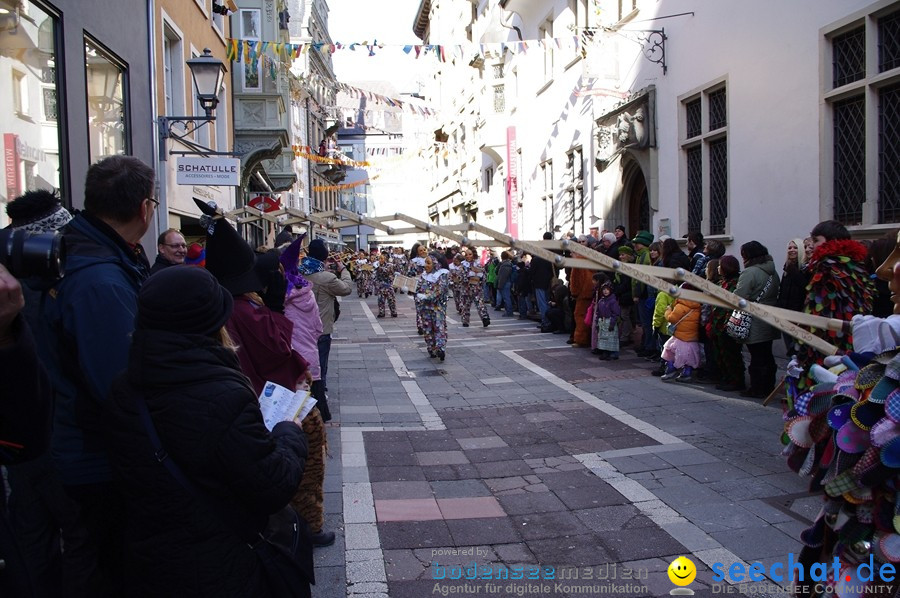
[184,374]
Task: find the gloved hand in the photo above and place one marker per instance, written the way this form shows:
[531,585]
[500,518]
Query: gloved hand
[875,335]
[420,296]
[793,368]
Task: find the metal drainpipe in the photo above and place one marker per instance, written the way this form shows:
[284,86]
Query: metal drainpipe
[309,167]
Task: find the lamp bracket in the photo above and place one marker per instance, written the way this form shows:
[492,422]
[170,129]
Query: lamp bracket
[166,124]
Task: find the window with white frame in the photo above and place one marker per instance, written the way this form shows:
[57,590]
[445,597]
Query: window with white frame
[575,187]
[488,179]
[250,20]
[221,143]
[546,182]
[545,34]
[173,71]
[704,168]
[862,103]
[218,21]
[20,93]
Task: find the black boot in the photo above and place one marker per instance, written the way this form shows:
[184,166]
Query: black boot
[441,354]
[322,404]
[486,321]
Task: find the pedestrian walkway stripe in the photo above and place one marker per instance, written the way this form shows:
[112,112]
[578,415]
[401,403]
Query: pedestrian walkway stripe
[372,320]
[629,420]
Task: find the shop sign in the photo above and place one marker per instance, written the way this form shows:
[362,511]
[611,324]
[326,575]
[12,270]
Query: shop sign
[512,184]
[265,203]
[11,165]
[208,171]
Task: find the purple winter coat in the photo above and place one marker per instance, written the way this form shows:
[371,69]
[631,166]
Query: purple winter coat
[301,308]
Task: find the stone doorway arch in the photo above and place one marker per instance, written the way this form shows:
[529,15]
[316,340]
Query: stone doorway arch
[636,196]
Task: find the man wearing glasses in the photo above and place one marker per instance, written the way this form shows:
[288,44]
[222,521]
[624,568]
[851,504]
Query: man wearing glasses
[86,322]
[172,250]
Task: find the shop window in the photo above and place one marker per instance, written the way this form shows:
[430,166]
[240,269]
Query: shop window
[107,122]
[28,121]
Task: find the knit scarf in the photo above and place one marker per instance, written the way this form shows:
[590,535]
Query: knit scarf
[310,265]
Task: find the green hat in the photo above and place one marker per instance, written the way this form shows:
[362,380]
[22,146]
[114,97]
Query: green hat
[644,237]
[626,249]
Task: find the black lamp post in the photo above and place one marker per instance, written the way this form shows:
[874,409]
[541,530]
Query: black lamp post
[208,74]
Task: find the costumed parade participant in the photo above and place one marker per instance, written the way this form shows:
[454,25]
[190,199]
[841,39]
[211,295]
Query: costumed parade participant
[431,294]
[384,285]
[844,433]
[416,267]
[473,274]
[363,275]
[456,281]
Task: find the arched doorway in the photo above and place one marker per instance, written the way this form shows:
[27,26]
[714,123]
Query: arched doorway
[636,197]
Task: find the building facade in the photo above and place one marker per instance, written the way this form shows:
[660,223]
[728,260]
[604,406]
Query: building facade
[183,31]
[77,78]
[621,114]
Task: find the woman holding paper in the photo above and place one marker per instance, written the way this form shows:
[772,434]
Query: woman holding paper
[184,374]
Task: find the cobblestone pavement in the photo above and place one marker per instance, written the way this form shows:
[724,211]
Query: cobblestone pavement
[522,456]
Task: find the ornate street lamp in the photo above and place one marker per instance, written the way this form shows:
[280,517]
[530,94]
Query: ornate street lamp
[208,73]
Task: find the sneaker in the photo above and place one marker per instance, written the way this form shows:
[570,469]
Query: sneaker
[669,376]
[683,378]
[465,324]
[322,538]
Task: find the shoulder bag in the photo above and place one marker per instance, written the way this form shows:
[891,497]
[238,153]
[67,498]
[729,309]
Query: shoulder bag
[738,325]
[284,549]
[670,329]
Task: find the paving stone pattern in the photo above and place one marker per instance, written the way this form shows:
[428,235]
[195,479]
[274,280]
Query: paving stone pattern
[522,454]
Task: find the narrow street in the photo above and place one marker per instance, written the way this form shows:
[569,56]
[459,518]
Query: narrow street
[522,455]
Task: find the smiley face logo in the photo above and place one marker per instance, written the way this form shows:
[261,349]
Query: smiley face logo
[682,571]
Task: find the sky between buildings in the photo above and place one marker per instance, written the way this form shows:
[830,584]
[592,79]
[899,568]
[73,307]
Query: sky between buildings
[388,22]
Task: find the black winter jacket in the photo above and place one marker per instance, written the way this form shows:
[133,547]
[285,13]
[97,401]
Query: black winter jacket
[792,291]
[541,273]
[209,422]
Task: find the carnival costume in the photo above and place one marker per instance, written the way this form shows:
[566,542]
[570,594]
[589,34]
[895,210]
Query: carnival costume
[384,288]
[416,268]
[839,288]
[363,277]
[432,294]
[844,433]
[472,277]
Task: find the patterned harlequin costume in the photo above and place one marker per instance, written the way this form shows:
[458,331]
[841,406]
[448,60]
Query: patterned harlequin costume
[384,288]
[416,268]
[726,351]
[839,288]
[400,262]
[456,285]
[363,278]
[434,290]
[472,291]
[844,434]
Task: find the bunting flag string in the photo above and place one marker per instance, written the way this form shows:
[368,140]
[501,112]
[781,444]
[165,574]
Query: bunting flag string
[342,186]
[304,151]
[442,52]
[357,92]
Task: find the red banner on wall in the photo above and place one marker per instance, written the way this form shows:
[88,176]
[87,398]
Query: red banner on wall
[512,184]
[11,166]
[265,203]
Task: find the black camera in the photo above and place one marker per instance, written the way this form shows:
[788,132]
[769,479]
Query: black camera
[33,255]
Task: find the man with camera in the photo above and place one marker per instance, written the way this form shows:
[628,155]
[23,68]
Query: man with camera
[87,319]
